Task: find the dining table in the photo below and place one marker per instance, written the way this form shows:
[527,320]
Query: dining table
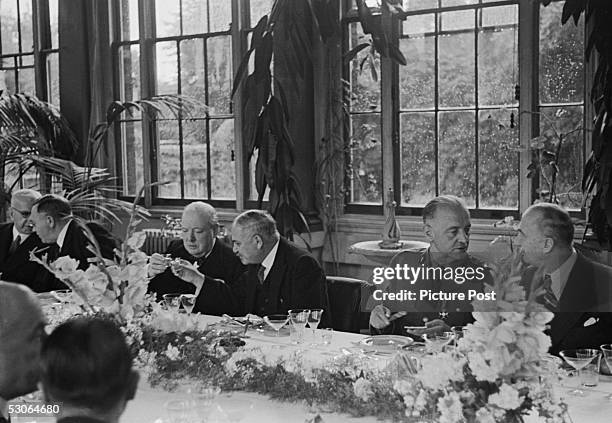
[150,404]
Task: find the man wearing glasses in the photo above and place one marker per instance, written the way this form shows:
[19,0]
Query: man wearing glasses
[17,239]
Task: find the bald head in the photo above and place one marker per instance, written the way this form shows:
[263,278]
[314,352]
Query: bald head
[21,333]
[199,227]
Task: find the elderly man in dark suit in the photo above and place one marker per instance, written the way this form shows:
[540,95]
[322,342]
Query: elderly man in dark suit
[17,239]
[56,226]
[198,263]
[576,289]
[446,225]
[22,331]
[280,275]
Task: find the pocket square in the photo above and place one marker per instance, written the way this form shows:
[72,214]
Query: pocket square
[591,321]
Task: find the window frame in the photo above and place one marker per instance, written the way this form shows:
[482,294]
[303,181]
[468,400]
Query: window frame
[528,74]
[146,42]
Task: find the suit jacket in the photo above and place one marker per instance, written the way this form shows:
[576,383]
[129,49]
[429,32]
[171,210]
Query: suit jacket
[18,267]
[223,271]
[585,299]
[454,312]
[295,281]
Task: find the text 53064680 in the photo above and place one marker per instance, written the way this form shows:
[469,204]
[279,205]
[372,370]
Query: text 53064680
[37,409]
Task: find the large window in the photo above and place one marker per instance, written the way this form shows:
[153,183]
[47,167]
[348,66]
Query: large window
[29,48]
[184,47]
[455,110]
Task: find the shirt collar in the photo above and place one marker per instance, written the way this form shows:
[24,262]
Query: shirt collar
[62,235]
[560,275]
[16,234]
[269,260]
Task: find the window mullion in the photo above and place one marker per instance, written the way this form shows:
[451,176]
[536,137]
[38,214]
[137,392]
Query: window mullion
[239,15]
[146,18]
[528,76]
[388,136]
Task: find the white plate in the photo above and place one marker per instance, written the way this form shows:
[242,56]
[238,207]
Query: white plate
[385,343]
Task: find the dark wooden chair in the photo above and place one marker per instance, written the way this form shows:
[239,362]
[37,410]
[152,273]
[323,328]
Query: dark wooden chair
[345,302]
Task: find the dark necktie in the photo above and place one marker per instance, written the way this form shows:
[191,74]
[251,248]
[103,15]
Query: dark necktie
[548,298]
[53,252]
[14,245]
[260,274]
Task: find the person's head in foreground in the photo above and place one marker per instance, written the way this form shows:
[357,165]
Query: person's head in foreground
[87,367]
[199,227]
[22,330]
[447,226]
[254,234]
[545,236]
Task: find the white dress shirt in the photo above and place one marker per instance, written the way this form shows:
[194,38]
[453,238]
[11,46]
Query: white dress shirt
[269,260]
[561,274]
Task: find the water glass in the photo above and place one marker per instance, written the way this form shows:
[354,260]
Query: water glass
[313,322]
[299,319]
[589,374]
[579,359]
[436,342]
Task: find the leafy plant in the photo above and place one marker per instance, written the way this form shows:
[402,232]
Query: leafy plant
[597,177]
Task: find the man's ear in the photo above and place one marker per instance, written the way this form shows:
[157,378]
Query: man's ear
[549,244]
[50,221]
[428,231]
[258,241]
[132,385]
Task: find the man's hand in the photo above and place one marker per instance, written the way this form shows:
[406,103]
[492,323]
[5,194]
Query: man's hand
[381,316]
[158,264]
[188,272]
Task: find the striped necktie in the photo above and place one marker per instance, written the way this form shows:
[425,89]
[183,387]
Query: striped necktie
[261,274]
[14,245]
[548,299]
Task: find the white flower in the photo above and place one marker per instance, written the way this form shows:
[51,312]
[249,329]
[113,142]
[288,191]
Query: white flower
[172,352]
[438,370]
[64,266]
[450,408]
[363,389]
[507,398]
[137,240]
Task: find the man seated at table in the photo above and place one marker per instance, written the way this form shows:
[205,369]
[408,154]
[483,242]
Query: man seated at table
[576,289]
[55,224]
[86,367]
[217,269]
[17,239]
[280,275]
[447,226]
[22,330]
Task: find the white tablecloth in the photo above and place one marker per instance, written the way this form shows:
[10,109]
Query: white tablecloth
[149,403]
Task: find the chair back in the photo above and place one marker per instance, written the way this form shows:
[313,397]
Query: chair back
[345,296]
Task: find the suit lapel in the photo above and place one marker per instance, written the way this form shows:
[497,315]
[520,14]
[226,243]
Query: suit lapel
[6,237]
[576,299]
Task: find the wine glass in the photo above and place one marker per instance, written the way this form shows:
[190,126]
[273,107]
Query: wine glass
[188,301]
[299,318]
[436,342]
[63,295]
[173,301]
[277,321]
[578,359]
[313,322]
[606,349]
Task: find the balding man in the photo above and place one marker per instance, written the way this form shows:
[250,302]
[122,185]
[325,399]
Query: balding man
[216,269]
[446,225]
[576,289]
[17,239]
[22,331]
[280,275]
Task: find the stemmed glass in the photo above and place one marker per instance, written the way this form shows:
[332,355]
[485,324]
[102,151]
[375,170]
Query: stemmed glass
[277,321]
[172,301]
[313,322]
[188,301]
[299,318]
[578,360]
[606,349]
[435,342]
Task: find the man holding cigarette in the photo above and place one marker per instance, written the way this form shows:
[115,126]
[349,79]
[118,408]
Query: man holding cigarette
[199,263]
